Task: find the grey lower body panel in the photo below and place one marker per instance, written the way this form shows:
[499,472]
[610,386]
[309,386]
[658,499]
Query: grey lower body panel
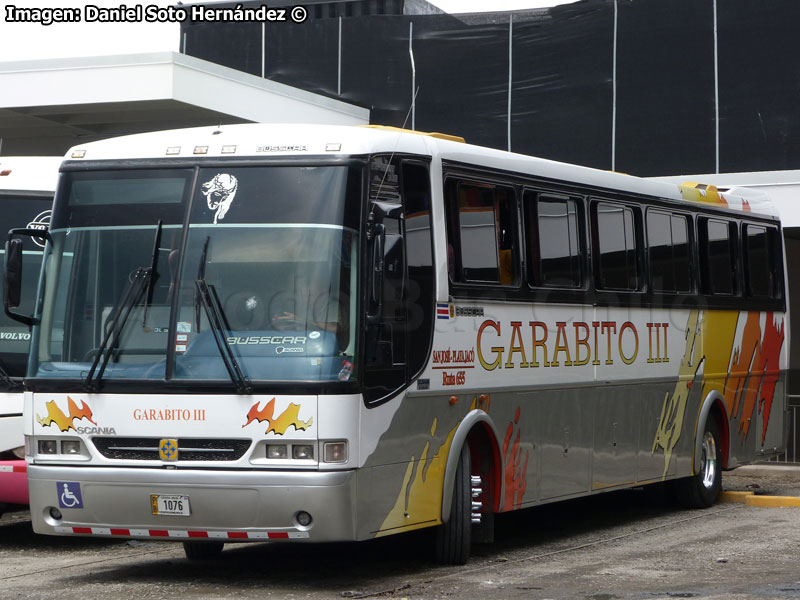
[225,505]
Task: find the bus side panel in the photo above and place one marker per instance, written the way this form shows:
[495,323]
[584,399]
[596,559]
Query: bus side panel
[401,483]
[636,422]
[563,433]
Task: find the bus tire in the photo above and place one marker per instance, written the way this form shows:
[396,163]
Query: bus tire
[702,489]
[202,550]
[453,538]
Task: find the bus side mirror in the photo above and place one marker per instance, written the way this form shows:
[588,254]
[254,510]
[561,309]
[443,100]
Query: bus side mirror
[12,284]
[12,274]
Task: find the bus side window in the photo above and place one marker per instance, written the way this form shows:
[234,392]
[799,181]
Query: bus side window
[614,233]
[481,219]
[759,256]
[553,240]
[718,256]
[668,251]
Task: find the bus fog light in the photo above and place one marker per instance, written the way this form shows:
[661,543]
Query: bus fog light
[277,451]
[303,518]
[55,513]
[48,447]
[335,452]
[303,452]
[71,447]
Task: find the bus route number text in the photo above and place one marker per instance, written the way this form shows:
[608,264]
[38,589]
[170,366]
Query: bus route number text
[458,378]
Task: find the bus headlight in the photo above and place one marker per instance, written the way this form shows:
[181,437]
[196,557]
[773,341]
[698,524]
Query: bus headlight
[71,447]
[276,451]
[48,447]
[335,452]
[303,452]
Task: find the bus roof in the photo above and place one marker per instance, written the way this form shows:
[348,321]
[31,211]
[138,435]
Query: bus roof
[29,173]
[248,140]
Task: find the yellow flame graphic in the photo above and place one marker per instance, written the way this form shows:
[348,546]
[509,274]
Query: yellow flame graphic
[62,421]
[280,424]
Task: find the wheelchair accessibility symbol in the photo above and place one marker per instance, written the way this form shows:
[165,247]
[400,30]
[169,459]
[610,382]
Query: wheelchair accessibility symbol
[69,494]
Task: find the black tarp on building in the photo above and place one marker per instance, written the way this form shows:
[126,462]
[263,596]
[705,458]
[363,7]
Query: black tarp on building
[640,86]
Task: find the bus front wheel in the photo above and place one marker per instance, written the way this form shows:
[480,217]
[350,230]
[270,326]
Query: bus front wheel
[703,488]
[202,550]
[453,538]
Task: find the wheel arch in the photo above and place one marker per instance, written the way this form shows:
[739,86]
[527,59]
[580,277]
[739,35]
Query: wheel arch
[477,428]
[713,408]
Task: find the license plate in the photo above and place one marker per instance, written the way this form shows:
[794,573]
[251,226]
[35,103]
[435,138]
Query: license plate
[170,505]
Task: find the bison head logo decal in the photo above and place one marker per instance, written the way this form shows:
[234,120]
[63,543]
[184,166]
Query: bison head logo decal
[219,193]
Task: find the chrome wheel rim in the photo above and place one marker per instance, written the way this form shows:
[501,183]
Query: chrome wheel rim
[709,460]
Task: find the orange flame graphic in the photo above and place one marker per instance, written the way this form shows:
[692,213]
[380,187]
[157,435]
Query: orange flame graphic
[280,424]
[754,373]
[514,476]
[62,421]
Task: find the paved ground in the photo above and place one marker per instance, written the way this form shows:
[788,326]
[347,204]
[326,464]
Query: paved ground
[764,479]
[618,546]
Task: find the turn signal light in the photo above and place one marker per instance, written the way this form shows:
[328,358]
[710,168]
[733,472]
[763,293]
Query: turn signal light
[335,452]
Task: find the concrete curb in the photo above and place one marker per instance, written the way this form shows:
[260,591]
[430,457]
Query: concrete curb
[751,499]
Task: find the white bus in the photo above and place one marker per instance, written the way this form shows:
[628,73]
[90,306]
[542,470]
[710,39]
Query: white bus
[307,333]
[27,185]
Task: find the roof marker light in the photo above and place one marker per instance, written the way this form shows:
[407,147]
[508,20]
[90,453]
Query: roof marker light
[200,150]
[173,150]
[79,154]
[333,147]
[228,149]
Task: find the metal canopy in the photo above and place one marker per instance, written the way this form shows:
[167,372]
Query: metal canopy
[47,106]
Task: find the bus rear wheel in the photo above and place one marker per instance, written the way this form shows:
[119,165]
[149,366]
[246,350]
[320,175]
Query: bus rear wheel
[703,488]
[202,550]
[453,538]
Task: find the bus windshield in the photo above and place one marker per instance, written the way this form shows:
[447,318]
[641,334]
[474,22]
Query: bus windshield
[198,274]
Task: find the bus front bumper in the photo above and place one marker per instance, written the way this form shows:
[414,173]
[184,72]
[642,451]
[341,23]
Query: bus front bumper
[230,506]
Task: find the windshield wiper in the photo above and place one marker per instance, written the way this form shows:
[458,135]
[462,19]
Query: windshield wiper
[201,276]
[218,323]
[122,311]
[140,283]
[153,272]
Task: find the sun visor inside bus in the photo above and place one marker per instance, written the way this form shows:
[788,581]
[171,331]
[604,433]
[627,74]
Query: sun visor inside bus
[654,114]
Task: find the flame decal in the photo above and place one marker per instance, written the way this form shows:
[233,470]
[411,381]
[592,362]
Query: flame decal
[745,374]
[280,424]
[698,192]
[62,421]
[674,410]
[768,365]
[754,373]
[514,476]
[420,499]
